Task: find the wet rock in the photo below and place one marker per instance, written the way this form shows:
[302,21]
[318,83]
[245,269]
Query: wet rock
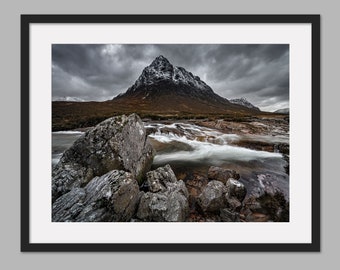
[229,216]
[236,189]
[268,206]
[233,204]
[220,174]
[116,143]
[196,185]
[111,197]
[212,198]
[167,199]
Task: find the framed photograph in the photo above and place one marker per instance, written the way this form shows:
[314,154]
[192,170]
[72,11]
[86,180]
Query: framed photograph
[170,133]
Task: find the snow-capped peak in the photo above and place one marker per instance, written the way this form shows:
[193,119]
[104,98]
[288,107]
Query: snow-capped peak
[162,70]
[243,102]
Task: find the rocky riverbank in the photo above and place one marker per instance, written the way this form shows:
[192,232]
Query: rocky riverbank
[106,175]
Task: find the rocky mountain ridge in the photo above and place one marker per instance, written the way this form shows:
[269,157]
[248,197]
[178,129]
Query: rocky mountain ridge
[243,102]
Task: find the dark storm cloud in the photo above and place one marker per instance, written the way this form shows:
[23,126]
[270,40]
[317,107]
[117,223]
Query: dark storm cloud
[258,72]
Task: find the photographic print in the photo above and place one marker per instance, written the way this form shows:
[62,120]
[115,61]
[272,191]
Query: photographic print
[170,132]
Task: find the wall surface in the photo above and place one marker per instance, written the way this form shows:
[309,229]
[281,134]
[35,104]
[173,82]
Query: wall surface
[10,137]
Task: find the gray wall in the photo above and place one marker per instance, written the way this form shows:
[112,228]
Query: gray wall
[10,137]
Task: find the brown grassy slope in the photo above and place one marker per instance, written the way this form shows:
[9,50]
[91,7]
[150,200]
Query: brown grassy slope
[70,115]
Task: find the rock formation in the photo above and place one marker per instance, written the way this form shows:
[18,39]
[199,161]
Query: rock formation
[167,199]
[111,197]
[116,143]
[221,174]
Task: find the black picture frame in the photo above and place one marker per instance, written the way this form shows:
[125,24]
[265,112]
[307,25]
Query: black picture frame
[27,20]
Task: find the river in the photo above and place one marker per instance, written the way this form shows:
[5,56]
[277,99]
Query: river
[191,149]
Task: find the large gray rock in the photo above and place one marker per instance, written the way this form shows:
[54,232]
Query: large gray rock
[167,199]
[213,197]
[220,174]
[111,197]
[116,143]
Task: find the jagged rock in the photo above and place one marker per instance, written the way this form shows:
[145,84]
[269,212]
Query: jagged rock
[167,199]
[116,143]
[159,178]
[212,198]
[229,216]
[233,204]
[111,197]
[268,206]
[244,102]
[220,174]
[236,189]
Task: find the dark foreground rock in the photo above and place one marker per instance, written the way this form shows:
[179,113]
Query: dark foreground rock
[118,143]
[111,197]
[219,201]
[267,207]
[167,199]
[220,174]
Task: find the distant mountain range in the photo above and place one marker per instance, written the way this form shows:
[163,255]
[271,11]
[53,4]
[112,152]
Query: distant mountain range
[283,111]
[244,102]
[71,99]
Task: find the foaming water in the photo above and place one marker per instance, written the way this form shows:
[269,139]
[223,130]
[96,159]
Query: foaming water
[207,151]
[191,150]
[206,145]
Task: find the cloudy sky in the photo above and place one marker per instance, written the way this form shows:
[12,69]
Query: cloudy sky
[259,73]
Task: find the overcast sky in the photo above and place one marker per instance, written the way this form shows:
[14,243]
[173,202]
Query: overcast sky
[259,73]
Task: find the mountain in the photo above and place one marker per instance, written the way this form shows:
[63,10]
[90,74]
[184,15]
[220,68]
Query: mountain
[163,87]
[244,102]
[283,111]
[162,91]
[75,99]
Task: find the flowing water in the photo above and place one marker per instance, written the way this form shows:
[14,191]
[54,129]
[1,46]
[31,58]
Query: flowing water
[191,149]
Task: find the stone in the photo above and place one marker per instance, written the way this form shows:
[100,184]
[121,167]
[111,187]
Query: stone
[111,197]
[229,216]
[212,198]
[233,204]
[158,179]
[167,199]
[236,189]
[118,143]
[220,174]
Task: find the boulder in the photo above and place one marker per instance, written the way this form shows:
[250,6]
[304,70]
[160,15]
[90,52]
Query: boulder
[118,143]
[167,199]
[158,179]
[111,197]
[236,189]
[212,198]
[220,174]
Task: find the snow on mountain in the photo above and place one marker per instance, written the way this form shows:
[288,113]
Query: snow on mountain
[162,70]
[70,99]
[284,111]
[243,102]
